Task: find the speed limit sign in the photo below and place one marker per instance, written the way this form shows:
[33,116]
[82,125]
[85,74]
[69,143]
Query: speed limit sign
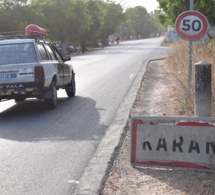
[191,25]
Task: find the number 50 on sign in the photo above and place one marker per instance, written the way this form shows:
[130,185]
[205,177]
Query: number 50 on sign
[191,25]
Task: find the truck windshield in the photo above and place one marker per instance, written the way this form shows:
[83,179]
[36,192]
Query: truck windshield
[17,53]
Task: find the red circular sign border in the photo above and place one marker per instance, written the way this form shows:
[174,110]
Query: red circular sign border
[190,37]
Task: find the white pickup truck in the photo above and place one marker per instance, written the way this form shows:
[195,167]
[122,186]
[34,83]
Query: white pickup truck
[32,68]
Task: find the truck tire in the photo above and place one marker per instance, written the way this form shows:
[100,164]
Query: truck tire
[52,102]
[71,88]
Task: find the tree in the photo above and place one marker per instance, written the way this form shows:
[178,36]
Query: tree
[77,20]
[106,17]
[156,25]
[170,9]
[140,21]
[10,4]
[97,14]
[12,14]
[112,19]
[66,20]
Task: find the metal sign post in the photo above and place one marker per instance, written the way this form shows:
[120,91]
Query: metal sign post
[191,26]
[190,54]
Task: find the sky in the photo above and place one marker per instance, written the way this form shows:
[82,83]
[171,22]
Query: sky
[150,5]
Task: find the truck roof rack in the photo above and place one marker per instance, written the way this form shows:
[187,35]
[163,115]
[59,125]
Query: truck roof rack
[21,35]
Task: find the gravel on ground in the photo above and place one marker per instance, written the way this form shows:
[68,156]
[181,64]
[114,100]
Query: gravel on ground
[157,96]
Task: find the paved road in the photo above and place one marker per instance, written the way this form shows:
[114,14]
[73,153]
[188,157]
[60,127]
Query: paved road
[46,151]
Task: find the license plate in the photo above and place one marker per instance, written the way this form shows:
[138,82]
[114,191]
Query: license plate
[8,76]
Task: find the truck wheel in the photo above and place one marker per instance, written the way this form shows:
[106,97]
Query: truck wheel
[52,102]
[71,88]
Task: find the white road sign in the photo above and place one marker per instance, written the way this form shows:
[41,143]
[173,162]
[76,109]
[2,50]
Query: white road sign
[191,25]
[177,142]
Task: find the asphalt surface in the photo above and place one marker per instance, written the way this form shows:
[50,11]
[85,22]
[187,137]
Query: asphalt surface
[47,151]
[97,171]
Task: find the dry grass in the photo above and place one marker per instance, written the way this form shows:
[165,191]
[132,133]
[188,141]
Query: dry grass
[163,86]
[178,61]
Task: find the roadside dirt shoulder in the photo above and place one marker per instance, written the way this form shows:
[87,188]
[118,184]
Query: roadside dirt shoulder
[157,96]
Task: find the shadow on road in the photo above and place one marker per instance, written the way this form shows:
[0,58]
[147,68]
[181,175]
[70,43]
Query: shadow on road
[74,119]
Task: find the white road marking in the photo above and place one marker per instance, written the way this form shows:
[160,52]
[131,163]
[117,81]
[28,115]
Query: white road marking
[131,76]
[73,182]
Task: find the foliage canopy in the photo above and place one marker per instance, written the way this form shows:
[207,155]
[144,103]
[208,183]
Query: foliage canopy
[170,9]
[75,21]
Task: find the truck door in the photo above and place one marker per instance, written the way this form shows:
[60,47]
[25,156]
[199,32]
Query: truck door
[58,64]
[66,69]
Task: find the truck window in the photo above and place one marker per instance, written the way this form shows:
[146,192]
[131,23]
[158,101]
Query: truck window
[43,53]
[17,53]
